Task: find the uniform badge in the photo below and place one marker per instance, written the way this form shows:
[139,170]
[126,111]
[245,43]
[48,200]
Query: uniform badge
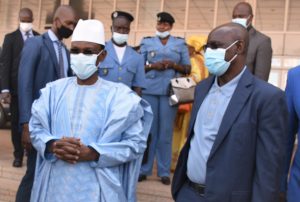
[105,71]
[115,14]
[152,54]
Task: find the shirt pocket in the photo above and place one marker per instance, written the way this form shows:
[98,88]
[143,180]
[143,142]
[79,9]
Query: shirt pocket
[153,55]
[105,71]
[129,74]
[174,54]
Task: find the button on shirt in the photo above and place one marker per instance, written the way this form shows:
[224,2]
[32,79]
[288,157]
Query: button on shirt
[54,40]
[207,124]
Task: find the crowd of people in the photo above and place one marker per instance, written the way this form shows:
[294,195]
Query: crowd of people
[93,119]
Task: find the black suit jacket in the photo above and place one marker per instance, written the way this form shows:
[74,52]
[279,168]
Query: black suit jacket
[10,59]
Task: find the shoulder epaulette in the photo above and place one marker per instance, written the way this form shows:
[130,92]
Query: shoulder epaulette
[178,37]
[148,37]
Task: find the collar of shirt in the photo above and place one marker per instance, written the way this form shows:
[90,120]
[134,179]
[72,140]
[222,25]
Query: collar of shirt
[52,36]
[227,89]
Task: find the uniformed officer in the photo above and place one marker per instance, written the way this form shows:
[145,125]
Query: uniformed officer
[122,63]
[165,57]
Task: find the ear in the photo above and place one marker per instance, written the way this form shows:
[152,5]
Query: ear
[101,57]
[240,47]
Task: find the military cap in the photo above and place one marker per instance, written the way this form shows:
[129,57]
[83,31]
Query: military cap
[165,17]
[116,14]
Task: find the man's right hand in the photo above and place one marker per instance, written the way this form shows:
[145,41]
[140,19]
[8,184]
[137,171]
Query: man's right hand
[26,141]
[6,98]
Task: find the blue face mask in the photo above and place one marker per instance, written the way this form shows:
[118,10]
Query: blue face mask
[215,60]
[84,66]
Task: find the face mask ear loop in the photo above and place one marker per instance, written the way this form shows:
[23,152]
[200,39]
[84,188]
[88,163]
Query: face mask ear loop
[231,45]
[233,58]
[247,25]
[100,52]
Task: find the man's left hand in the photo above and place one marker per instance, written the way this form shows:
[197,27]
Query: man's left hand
[88,154]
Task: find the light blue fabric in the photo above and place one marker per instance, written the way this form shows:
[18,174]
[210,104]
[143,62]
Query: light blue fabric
[157,82]
[161,135]
[130,71]
[54,40]
[208,121]
[106,116]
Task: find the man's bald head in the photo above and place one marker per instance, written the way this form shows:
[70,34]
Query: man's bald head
[64,10]
[229,33]
[246,7]
[25,15]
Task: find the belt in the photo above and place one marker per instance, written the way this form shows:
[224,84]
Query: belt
[199,188]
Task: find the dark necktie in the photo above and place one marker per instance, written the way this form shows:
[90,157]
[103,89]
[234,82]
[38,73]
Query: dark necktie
[60,60]
[27,35]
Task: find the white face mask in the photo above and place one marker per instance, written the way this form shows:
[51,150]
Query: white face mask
[26,26]
[162,35]
[241,21]
[84,66]
[120,38]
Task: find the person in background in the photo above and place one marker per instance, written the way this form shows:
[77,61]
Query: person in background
[290,184]
[43,59]
[259,56]
[90,134]
[10,59]
[235,145]
[198,73]
[122,63]
[166,57]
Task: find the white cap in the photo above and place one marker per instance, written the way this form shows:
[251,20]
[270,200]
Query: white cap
[90,31]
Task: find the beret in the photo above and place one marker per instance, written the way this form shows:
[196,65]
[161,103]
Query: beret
[165,17]
[117,14]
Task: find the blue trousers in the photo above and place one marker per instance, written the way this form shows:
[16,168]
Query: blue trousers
[188,194]
[161,135]
[24,191]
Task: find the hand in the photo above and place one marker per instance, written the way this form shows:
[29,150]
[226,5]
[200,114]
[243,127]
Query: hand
[282,197]
[26,141]
[168,64]
[88,154]
[158,66]
[67,149]
[6,98]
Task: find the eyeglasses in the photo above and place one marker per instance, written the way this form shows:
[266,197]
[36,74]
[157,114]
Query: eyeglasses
[85,51]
